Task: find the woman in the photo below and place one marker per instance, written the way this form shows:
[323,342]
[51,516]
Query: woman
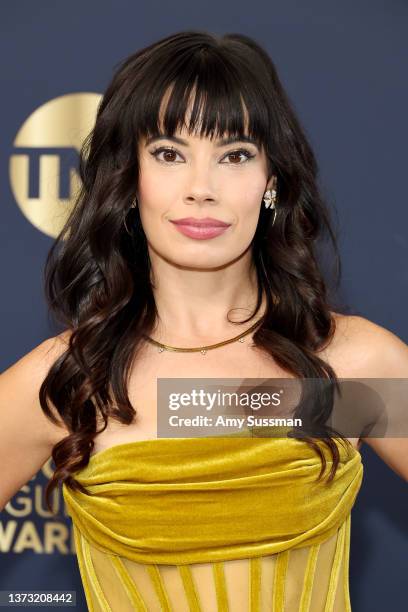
[199,200]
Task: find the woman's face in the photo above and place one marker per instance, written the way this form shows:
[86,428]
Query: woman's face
[191,177]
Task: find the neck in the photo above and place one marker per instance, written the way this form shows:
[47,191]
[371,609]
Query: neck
[193,304]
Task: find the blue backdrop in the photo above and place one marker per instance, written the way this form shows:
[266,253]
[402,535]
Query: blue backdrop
[344,67]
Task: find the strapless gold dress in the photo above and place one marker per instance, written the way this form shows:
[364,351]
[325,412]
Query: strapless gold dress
[215,525]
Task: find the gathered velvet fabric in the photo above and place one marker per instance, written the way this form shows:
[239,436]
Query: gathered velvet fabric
[171,507]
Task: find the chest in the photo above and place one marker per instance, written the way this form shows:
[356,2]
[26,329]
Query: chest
[238,360]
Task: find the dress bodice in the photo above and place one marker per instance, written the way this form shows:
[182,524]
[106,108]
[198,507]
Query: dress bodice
[215,524]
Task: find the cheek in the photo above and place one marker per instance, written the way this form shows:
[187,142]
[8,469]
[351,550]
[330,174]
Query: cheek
[156,198]
[248,207]
[247,187]
[151,190]
[253,190]
[248,203]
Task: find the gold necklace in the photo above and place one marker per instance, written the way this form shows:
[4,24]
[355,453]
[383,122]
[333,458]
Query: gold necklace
[202,349]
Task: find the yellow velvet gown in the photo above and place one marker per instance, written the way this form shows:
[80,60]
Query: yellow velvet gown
[215,525]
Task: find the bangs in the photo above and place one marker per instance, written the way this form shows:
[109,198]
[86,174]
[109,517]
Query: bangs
[205,94]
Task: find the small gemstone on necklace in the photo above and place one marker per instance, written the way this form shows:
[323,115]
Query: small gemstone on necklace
[203,352]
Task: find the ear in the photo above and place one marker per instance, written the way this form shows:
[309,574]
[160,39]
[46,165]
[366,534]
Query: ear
[272,182]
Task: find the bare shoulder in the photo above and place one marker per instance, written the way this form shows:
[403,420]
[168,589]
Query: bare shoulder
[21,382]
[362,348]
[39,359]
[55,346]
[27,435]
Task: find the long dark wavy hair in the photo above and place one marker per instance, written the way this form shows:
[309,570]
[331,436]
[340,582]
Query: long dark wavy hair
[97,275]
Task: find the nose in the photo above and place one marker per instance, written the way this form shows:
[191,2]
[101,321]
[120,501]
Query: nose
[199,187]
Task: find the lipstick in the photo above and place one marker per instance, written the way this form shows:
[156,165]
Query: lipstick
[200,229]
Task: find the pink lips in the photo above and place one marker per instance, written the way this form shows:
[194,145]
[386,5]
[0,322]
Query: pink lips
[200,229]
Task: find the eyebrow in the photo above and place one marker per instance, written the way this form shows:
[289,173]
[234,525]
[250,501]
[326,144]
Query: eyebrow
[220,143]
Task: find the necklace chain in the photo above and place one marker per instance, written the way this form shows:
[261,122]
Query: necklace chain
[202,349]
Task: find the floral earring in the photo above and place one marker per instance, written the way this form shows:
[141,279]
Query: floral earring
[269,200]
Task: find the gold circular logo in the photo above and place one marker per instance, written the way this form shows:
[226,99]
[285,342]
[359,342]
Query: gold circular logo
[43,168]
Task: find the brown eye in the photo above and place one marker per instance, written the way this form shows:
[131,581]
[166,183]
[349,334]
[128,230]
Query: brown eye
[239,157]
[169,155]
[235,157]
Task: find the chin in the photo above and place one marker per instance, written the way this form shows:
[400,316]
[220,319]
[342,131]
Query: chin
[199,258]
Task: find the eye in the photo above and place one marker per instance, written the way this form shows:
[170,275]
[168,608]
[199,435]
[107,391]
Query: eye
[169,154]
[239,152]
